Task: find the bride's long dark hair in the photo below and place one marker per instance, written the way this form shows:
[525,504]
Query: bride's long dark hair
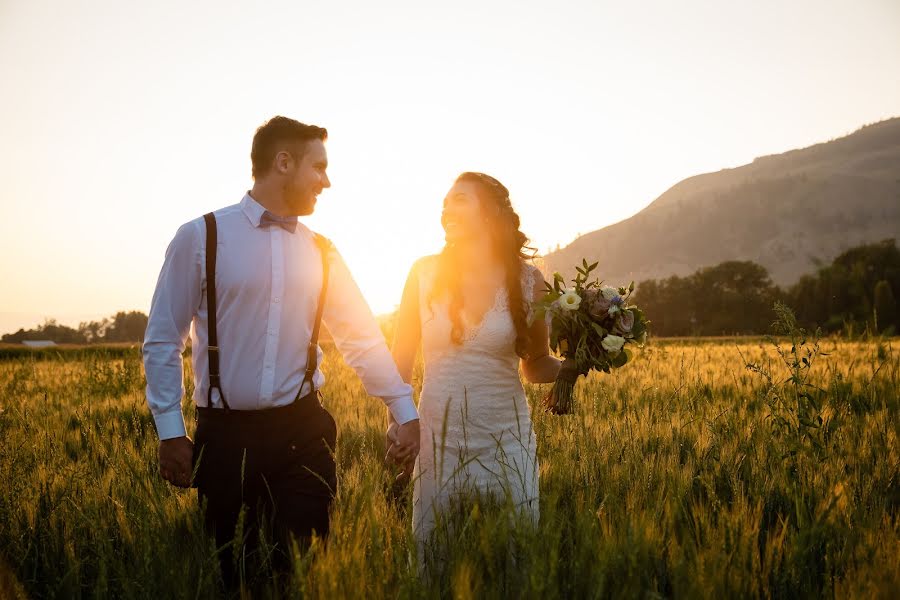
[509,243]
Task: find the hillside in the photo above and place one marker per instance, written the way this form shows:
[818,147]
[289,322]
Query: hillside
[787,212]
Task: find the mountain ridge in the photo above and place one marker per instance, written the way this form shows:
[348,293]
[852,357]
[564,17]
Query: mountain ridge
[789,212]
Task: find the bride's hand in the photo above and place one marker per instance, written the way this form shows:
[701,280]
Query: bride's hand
[407,443]
[402,446]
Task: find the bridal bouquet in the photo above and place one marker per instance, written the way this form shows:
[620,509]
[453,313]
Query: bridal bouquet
[590,326]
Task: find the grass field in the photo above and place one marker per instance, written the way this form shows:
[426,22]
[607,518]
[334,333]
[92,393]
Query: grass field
[683,475]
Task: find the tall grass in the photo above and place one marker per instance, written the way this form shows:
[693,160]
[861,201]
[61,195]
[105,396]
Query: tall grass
[674,479]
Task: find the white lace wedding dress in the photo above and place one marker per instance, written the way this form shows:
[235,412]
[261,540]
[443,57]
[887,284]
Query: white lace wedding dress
[475,422]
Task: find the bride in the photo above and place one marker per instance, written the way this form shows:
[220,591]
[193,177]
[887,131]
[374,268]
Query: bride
[469,309]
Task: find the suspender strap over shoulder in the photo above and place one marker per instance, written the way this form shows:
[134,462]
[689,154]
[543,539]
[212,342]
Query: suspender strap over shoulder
[213,341]
[325,247]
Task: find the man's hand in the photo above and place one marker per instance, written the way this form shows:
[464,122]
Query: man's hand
[408,439]
[175,460]
[403,445]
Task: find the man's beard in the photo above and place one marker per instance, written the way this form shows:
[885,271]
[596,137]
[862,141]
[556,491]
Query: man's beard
[299,203]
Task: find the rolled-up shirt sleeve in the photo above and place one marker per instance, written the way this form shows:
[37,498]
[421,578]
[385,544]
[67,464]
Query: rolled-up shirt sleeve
[360,341]
[175,302]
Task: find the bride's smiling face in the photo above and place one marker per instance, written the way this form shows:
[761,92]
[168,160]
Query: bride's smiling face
[462,216]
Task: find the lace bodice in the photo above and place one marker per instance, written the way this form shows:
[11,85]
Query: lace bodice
[485,358]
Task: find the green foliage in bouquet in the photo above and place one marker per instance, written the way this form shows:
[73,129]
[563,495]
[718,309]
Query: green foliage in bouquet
[590,326]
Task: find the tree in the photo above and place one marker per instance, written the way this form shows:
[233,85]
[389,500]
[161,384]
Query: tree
[885,307]
[669,303]
[93,331]
[734,297]
[126,327]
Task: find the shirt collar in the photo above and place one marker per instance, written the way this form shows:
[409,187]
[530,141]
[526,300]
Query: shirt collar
[253,210]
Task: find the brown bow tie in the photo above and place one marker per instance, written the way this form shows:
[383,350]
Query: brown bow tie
[289,224]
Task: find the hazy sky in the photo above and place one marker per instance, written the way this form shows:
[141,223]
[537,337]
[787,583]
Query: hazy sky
[120,120]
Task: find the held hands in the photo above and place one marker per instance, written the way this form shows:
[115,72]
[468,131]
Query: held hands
[403,446]
[175,460]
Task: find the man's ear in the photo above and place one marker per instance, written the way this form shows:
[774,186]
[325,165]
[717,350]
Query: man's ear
[283,162]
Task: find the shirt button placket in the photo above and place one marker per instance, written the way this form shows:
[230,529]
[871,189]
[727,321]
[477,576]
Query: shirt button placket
[277,292]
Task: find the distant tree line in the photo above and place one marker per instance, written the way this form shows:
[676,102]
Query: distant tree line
[857,291]
[121,327]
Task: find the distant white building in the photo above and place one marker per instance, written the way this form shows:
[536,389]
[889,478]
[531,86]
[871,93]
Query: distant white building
[39,343]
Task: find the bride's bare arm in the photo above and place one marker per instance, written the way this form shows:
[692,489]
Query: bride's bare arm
[407,329]
[540,366]
[407,333]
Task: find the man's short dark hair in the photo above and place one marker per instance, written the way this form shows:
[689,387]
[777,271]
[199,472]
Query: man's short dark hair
[281,133]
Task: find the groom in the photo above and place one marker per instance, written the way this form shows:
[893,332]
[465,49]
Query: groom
[252,281]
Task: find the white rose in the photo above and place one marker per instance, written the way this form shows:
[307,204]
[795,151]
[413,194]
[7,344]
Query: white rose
[613,310]
[613,343]
[609,292]
[570,300]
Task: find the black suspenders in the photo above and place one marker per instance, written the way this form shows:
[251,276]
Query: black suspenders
[213,342]
[312,351]
[212,350]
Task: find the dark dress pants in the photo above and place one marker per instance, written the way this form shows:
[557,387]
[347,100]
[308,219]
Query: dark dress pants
[276,467]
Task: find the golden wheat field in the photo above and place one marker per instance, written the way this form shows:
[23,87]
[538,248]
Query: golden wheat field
[685,474]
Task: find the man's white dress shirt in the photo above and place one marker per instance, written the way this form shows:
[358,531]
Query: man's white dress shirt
[267,283]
